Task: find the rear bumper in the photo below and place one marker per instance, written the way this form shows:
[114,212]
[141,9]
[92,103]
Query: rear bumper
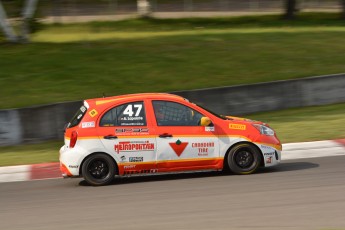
[64,171]
[70,161]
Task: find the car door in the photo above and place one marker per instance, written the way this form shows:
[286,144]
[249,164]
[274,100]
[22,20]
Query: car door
[182,143]
[124,132]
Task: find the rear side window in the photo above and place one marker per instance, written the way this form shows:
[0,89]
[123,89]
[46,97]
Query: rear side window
[130,114]
[77,117]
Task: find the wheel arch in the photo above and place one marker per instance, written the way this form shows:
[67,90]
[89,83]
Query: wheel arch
[81,165]
[225,162]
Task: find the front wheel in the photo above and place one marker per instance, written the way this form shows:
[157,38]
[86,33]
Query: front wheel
[244,159]
[98,169]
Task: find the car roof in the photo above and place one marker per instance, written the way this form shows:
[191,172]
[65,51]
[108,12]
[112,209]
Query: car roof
[139,96]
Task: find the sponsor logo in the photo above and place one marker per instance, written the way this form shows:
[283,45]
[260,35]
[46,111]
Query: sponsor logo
[132,131]
[93,113]
[178,147]
[123,158]
[136,159]
[269,154]
[209,129]
[141,171]
[90,124]
[266,147]
[126,167]
[203,147]
[73,166]
[237,126]
[269,160]
[134,146]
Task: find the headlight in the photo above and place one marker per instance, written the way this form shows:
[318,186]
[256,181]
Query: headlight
[264,130]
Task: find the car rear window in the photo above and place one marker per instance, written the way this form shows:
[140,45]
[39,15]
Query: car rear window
[77,117]
[129,114]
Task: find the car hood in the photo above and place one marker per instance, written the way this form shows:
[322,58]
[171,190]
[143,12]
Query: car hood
[246,120]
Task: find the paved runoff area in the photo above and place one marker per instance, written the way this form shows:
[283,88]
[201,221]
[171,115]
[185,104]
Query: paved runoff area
[290,151]
[298,194]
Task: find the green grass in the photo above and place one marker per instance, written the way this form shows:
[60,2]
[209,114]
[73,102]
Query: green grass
[30,153]
[78,61]
[293,125]
[306,124]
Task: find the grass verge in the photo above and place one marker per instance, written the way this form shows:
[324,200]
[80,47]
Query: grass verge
[78,61]
[292,125]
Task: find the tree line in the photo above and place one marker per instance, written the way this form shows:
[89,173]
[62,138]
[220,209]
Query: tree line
[29,8]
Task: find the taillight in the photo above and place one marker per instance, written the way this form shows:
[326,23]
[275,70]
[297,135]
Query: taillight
[73,141]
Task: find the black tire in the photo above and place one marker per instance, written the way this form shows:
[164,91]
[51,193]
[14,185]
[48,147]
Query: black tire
[244,159]
[99,169]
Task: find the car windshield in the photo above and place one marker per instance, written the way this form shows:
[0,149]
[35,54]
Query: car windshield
[77,117]
[213,113]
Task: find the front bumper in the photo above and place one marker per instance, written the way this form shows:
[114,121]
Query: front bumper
[271,155]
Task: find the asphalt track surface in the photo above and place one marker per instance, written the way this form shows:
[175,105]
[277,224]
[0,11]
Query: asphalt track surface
[298,194]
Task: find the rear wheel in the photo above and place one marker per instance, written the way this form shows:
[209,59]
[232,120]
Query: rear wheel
[99,169]
[244,159]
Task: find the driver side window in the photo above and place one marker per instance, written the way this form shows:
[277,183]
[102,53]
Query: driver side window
[169,113]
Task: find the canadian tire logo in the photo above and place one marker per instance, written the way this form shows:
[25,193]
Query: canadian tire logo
[178,147]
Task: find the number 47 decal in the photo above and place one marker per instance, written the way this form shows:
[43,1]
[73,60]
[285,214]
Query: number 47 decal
[129,110]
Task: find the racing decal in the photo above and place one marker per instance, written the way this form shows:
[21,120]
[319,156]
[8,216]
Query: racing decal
[132,131]
[83,109]
[126,172]
[73,166]
[129,167]
[123,158]
[237,126]
[203,147]
[132,114]
[90,124]
[93,113]
[267,148]
[136,159]
[269,154]
[269,160]
[178,147]
[209,129]
[133,146]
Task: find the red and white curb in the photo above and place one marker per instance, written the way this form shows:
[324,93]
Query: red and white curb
[313,149]
[30,172]
[290,151]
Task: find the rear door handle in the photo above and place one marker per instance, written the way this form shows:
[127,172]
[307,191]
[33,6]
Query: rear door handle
[164,135]
[110,137]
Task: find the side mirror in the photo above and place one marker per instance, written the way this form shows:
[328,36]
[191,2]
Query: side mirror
[205,121]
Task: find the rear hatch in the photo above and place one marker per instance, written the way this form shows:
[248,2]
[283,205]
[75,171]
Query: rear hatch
[71,128]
